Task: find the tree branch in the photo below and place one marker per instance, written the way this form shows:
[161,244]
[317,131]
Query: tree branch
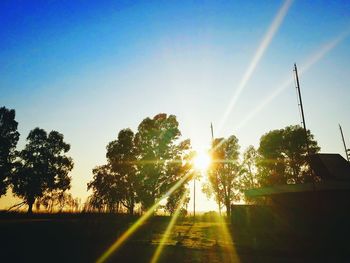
[17,205]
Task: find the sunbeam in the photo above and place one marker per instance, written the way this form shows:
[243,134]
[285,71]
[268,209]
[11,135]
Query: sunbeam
[227,244]
[304,68]
[140,221]
[276,23]
[168,230]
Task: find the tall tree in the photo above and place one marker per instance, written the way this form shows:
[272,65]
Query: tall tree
[116,182]
[8,140]
[121,155]
[283,156]
[43,166]
[224,171]
[161,159]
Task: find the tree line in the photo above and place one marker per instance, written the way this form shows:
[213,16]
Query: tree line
[281,158]
[142,166]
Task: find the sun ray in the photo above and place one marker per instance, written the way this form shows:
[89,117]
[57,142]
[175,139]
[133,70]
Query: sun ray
[319,54]
[131,230]
[168,230]
[227,244]
[276,23]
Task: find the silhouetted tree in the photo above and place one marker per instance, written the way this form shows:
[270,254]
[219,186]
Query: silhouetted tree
[121,156]
[116,182]
[43,166]
[106,187]
[141,168]
[173,201]
[224,171]
[8,140]
[283,156]
[249,177]
[160,159]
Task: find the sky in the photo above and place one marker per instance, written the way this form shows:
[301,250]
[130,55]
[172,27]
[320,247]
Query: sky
[91,68]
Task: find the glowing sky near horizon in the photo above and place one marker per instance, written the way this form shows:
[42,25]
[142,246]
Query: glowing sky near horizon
[88,69]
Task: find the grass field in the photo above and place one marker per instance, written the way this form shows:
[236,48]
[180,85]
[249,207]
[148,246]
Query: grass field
[85,237]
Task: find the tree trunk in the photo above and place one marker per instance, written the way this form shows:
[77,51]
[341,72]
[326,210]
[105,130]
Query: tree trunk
[228,209]
[131,209]
[131,206]
[30,202]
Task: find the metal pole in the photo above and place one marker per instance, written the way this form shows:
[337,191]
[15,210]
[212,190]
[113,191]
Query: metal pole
[301,108]
[304,124]
[342,136]
[216,175]
[194,199]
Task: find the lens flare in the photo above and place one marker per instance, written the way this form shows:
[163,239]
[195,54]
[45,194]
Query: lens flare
[256,59]
[201,161]
[168,230]
[226,243]
[313,59]
[139,222]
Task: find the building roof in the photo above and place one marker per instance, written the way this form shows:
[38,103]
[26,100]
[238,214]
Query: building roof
[330,166]
[298,188]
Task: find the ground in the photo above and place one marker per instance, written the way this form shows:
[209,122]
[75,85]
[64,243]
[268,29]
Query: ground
[85,237]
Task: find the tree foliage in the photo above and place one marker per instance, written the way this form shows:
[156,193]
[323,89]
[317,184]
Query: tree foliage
[106,192]
[161,160]
[224,171]
[249,175]
[142,167]
[43,166]
[121,156]
[174,200]
[116,182]
[8,140]
[283,156]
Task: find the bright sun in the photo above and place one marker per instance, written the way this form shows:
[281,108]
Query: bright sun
[201,161]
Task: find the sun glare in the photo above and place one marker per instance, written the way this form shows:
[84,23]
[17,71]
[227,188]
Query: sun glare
[201,161]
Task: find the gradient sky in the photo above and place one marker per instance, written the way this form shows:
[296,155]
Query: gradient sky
[88,69]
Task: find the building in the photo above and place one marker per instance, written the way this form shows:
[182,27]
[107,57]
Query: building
[302,217]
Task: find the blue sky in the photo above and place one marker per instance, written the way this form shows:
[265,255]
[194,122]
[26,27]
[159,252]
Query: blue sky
[89,69]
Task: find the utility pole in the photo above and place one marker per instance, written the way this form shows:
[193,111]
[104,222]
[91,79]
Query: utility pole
[346,149]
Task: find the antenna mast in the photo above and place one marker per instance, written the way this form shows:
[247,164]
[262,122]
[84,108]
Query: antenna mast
[301,107]
[303,119]
[346,149]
